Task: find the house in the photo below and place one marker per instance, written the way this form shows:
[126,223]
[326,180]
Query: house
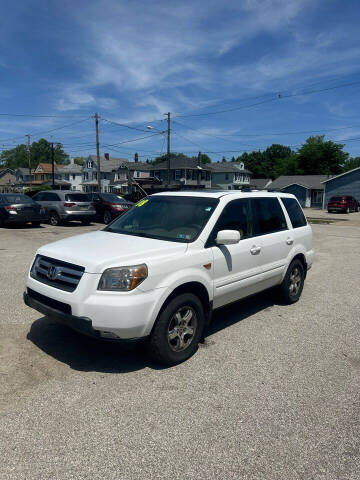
[260,183]
[7,178]
[347,183]
[184,172]
[308,189]
[43,173]
[229,175]
[71,174]
[107,167]
[24,176]
[138,172]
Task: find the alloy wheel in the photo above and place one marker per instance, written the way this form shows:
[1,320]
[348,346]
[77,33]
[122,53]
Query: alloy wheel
[182,328]
[295,281]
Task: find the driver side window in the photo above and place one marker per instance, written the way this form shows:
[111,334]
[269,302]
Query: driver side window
[237,215]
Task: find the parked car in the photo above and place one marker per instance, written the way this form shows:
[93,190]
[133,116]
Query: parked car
[19,208]
[66,205]
[109,206]
[157,272]
[343,203]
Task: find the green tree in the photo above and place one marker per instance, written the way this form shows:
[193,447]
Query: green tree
[204,158]
[320,157]
[15,157]
[79,160]
[273,156]
[351,163]
[40,152]
[164,157]
[288,166]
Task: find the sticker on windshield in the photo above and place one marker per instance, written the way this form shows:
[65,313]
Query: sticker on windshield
[141,203]
[208,209]
[183,236]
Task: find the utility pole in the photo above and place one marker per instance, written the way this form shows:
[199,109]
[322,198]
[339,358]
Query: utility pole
[28,154]
[98,151]
[199,167]
[52,166]
[168,148]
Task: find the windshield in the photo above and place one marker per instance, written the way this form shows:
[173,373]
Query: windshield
[77,197]
[111,197]
[177,219]
[17,198]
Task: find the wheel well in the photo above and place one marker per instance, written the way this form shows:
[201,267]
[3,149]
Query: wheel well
[196,288]
[301,257]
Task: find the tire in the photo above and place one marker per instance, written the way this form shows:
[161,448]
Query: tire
[295,275]
[329,211]
[54,219]
[169,344]
[36,224]
[107,217]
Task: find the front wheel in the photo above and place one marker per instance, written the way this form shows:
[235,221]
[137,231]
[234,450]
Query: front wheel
[178,330]
[293,283]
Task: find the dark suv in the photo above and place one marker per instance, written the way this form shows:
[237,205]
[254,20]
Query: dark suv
[343,203]
[19,208]
[109,206]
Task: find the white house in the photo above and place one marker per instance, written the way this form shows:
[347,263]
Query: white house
[72,174]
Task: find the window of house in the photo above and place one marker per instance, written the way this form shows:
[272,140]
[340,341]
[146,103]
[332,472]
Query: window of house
[67,176]
[42,177]
[86,176]
[294,211]
[226,176]
[90,164]
[137,174]
[269,216]
[73,176]
[177,174]
[94,175]
[157,173]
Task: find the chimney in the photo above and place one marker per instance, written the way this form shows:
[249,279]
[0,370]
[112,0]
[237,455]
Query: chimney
[107,156]
[136,158]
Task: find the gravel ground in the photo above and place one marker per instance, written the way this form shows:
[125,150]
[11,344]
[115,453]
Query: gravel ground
[273,394]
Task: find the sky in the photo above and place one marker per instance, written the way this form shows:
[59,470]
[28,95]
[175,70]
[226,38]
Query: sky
[235,75]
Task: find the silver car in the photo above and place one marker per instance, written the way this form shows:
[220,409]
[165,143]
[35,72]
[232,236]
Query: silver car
[66,205]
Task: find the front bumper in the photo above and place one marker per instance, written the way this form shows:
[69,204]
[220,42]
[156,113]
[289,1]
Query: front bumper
[80,324]
[127,315]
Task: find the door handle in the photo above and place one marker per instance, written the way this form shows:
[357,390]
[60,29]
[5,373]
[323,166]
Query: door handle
[289,241]
[255,250]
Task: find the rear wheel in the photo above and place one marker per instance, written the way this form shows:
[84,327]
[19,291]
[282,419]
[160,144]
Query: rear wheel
[107,217]
[178,330]
[293,283]
[54,219]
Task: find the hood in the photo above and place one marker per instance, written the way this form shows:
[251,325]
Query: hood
[97,251]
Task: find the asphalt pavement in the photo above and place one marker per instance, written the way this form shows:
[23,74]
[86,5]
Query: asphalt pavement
[272,394]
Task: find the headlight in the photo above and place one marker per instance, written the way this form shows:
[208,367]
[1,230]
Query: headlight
[123,279]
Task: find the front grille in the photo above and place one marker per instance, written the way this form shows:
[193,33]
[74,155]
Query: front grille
[56,273]
[49,302]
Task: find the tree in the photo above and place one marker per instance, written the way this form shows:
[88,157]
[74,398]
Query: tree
[79,160]
[164,157]
[320,157]
[351,163]
[204,158]
[40,152]
[288,166]
[15,157]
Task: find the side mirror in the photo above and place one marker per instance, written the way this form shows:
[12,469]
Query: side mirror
[228,237]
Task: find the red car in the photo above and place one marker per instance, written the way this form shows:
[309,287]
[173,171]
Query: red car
[109,206]
[343,203]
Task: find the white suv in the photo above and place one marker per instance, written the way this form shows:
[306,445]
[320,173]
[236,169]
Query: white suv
[158,271]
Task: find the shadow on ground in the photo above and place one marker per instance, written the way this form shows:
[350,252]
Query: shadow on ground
[87,354]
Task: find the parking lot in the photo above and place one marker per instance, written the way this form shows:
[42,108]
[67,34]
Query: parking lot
[272,394]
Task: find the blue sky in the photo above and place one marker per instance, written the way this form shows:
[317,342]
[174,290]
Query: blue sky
[134,60]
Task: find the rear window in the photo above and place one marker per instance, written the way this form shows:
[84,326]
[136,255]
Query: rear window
[77,197]
[16,198]
[269,216]
[295,212]
[111,197]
